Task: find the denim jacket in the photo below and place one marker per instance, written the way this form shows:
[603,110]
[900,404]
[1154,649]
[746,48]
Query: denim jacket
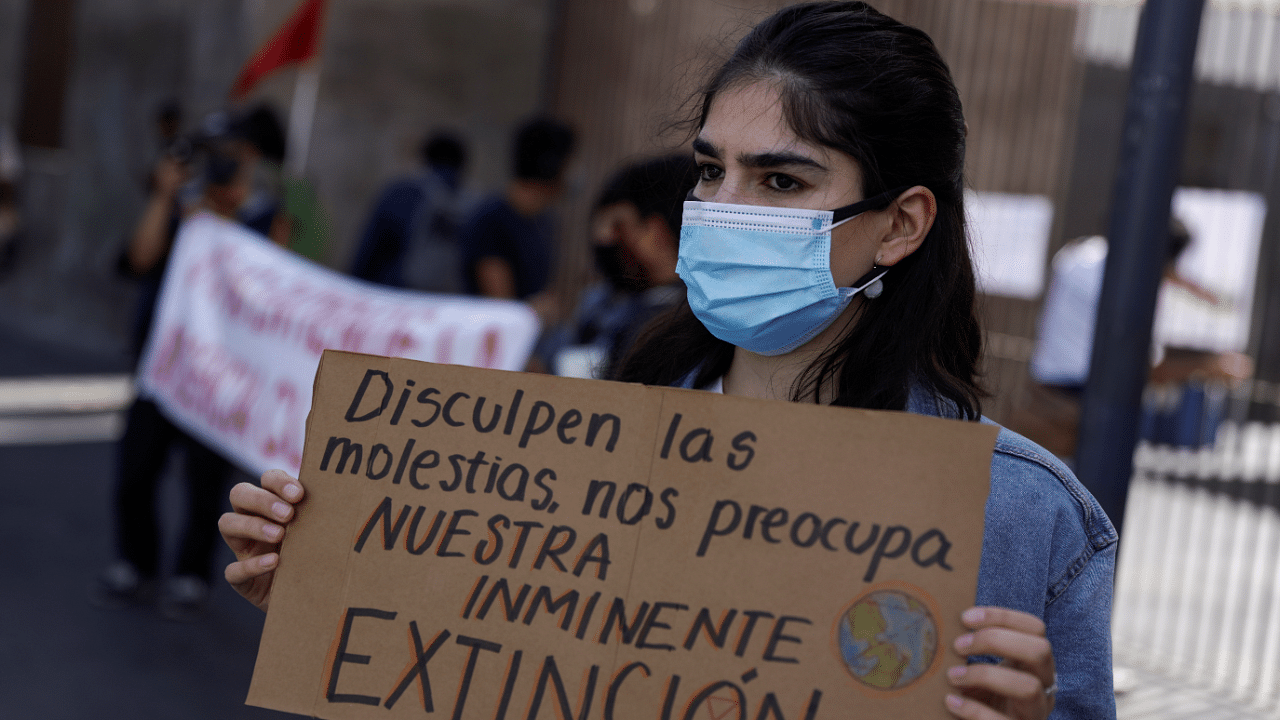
[1048,549]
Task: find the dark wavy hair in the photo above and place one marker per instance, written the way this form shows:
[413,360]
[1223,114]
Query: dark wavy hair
[656,186]
[542,149]
[858,81]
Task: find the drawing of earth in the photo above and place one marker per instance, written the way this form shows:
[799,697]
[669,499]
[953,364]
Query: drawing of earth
[888,639]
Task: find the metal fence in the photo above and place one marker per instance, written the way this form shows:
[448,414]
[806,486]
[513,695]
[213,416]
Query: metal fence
[1198,583]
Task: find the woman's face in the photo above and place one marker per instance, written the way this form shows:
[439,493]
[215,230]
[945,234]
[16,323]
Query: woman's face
[747,155]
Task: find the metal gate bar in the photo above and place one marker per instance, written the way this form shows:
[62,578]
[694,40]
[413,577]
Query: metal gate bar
[1197,596]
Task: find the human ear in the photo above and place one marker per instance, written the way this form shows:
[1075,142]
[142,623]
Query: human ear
[909,219]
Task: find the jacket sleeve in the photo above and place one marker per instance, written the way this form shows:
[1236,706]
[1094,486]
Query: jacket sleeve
[1049,550]
[1080,633]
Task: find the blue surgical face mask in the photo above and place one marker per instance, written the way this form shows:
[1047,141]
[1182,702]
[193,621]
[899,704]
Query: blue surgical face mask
[760,277]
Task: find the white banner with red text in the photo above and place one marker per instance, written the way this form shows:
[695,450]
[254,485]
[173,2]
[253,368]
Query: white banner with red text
[241,323]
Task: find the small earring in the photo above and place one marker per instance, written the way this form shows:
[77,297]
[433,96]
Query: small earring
[872,291]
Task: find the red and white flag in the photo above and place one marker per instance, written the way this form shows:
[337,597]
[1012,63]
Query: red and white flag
[297,40]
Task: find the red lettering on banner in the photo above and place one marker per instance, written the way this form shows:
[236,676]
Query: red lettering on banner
[353,337]
[488,357]
[444,345]
[268,301]
[315,339]
[287,416]
[207,380]
[400,344]
[325,309]
[210,263]
[239,323]
[400,339]
[256,298]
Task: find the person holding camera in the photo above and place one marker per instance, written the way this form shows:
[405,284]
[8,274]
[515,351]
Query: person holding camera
[149,436]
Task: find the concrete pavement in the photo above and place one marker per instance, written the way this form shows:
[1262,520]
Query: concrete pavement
[64,659]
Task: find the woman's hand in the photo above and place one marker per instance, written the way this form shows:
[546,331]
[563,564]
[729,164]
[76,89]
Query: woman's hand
[254,530]
[1022,687]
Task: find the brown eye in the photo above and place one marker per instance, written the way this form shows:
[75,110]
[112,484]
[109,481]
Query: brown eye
[783,183]
[709,173]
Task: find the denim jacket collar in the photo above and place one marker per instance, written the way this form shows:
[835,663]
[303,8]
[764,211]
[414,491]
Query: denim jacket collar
[922,401]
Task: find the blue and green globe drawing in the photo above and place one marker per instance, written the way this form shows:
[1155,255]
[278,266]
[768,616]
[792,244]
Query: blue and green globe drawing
[888,639]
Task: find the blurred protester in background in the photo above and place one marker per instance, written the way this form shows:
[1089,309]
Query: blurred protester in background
[1064,343]
[411,237]
[144,449]
[507,242]
[258,139]
[635,238]
[10,215]
[280,206]
[169,129]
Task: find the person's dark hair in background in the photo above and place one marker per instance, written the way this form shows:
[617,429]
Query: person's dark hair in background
[220,167]
[542,148]
[261,128]
[225,183]
[259,138]
[442,149]
[507,242]
[655,187]
[410,239]
[636,222]
[888,101]
[635,237]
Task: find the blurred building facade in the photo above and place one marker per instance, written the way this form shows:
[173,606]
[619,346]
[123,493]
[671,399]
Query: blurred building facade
[83,109]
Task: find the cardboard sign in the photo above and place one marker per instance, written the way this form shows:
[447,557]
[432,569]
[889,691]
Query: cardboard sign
[241,323]
[494,545]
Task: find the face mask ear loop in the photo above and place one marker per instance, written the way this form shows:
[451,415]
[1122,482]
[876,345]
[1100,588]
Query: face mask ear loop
[870,283]
[838,223]
[876,202]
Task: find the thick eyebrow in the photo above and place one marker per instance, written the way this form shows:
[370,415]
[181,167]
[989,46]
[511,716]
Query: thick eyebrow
[771,160]
[758,160]
[704,147]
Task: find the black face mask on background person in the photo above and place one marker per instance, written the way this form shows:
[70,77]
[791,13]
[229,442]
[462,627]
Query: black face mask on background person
[620,268]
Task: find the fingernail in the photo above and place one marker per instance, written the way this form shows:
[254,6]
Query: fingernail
[954,702]
[272,531]
[281,510]
[292,492]
[973,615]
[964,642]
[267,561]
[958,672]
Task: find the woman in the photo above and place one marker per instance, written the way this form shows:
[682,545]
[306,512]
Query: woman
[826,262]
